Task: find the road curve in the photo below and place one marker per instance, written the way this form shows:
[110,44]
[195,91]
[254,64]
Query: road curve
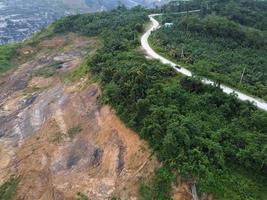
[150,52]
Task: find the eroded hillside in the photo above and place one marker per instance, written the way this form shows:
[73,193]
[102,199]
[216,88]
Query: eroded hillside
[57,138]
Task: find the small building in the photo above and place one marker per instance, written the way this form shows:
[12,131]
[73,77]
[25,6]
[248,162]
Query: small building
[168,25]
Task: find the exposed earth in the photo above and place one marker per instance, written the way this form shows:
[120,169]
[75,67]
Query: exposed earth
[58,139]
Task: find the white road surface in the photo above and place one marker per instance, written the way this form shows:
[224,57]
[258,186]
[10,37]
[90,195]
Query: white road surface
[150,52]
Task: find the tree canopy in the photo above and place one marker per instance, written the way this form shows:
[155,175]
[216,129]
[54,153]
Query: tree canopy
[226,41]
[195,130]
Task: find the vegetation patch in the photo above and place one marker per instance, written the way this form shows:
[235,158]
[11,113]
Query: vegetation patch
[72,132]
[48,70]
[8,189]
[77,73]
[59,137]
[160,187]
[7,56]
[81,196]
[236,56]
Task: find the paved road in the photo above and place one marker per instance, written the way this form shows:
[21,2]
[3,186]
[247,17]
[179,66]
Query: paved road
[150,52]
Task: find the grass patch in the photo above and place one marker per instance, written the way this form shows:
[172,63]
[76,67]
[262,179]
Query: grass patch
[76,74]
[59,137]
[48,70]
[81,196]
[7,55]
[9,188]
[31,90]
[72,132]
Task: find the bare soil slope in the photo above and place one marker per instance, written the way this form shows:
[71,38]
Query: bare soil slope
[57,137]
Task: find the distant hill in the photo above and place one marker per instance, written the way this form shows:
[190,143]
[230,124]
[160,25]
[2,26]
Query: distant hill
[19,19]
[109,4]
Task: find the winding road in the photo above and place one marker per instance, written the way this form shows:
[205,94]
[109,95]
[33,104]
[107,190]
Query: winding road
[150,52]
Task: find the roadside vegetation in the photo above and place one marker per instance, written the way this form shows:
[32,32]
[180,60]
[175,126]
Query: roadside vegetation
[226,41]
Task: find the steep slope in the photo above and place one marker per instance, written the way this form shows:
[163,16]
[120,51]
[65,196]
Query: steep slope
[57,138]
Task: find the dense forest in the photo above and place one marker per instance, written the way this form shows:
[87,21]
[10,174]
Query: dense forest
[196,131]
[226,41]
